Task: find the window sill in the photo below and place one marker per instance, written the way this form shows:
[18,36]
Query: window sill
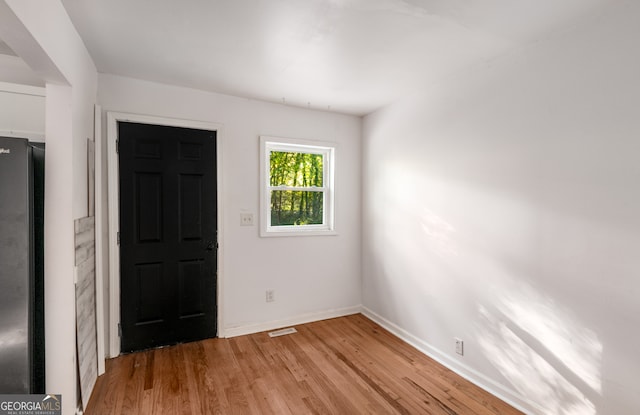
[297,232]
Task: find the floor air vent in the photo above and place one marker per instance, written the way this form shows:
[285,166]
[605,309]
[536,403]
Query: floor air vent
[283,332]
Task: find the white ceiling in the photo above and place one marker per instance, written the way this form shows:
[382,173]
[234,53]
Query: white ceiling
[351,56]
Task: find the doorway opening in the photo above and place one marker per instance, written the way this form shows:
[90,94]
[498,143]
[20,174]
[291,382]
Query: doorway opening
[164,277]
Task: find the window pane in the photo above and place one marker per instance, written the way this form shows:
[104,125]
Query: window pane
[296,208]
[295,169]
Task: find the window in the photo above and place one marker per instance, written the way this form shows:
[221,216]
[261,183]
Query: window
[297,187]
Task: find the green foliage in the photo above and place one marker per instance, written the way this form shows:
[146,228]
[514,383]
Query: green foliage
[301,170]
[296,169]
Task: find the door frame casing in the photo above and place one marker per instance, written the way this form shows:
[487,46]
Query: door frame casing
[114,212]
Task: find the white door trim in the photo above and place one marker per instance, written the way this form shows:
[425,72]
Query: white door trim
[99,212]
[114,215]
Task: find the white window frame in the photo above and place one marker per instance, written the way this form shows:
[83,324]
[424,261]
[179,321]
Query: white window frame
[328,150]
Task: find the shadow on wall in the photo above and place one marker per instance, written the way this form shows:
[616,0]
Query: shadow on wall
[543,351]
[426,262]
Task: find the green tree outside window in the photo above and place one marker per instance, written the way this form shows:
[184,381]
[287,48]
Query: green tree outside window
[297,195]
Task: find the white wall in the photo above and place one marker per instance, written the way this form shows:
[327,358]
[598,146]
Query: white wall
[51,27]
[14,70]
[502,206]
[42,34]
[311,275]
[21,111]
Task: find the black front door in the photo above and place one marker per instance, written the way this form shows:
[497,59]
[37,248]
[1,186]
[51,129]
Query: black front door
[167,235]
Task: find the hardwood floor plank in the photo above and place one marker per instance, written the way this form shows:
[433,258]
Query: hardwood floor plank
[322,376]
[148,374]
[378,374]
[463,395]
[348,365]
[132,396]
[357,393]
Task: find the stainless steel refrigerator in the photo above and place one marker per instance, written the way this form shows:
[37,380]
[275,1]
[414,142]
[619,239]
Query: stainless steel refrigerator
[21,266]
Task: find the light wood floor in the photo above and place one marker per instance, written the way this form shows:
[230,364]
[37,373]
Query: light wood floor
[347,365]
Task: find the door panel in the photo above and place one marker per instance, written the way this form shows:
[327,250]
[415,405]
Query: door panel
[190,212]
[149,287]
[149,207]
[191,299]
[167,235]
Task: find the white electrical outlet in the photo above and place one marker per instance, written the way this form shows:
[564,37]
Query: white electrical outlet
[270,296]
[459,346]
[246,219]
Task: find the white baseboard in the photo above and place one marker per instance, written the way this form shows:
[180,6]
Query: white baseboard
[292,321]
[509,396]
